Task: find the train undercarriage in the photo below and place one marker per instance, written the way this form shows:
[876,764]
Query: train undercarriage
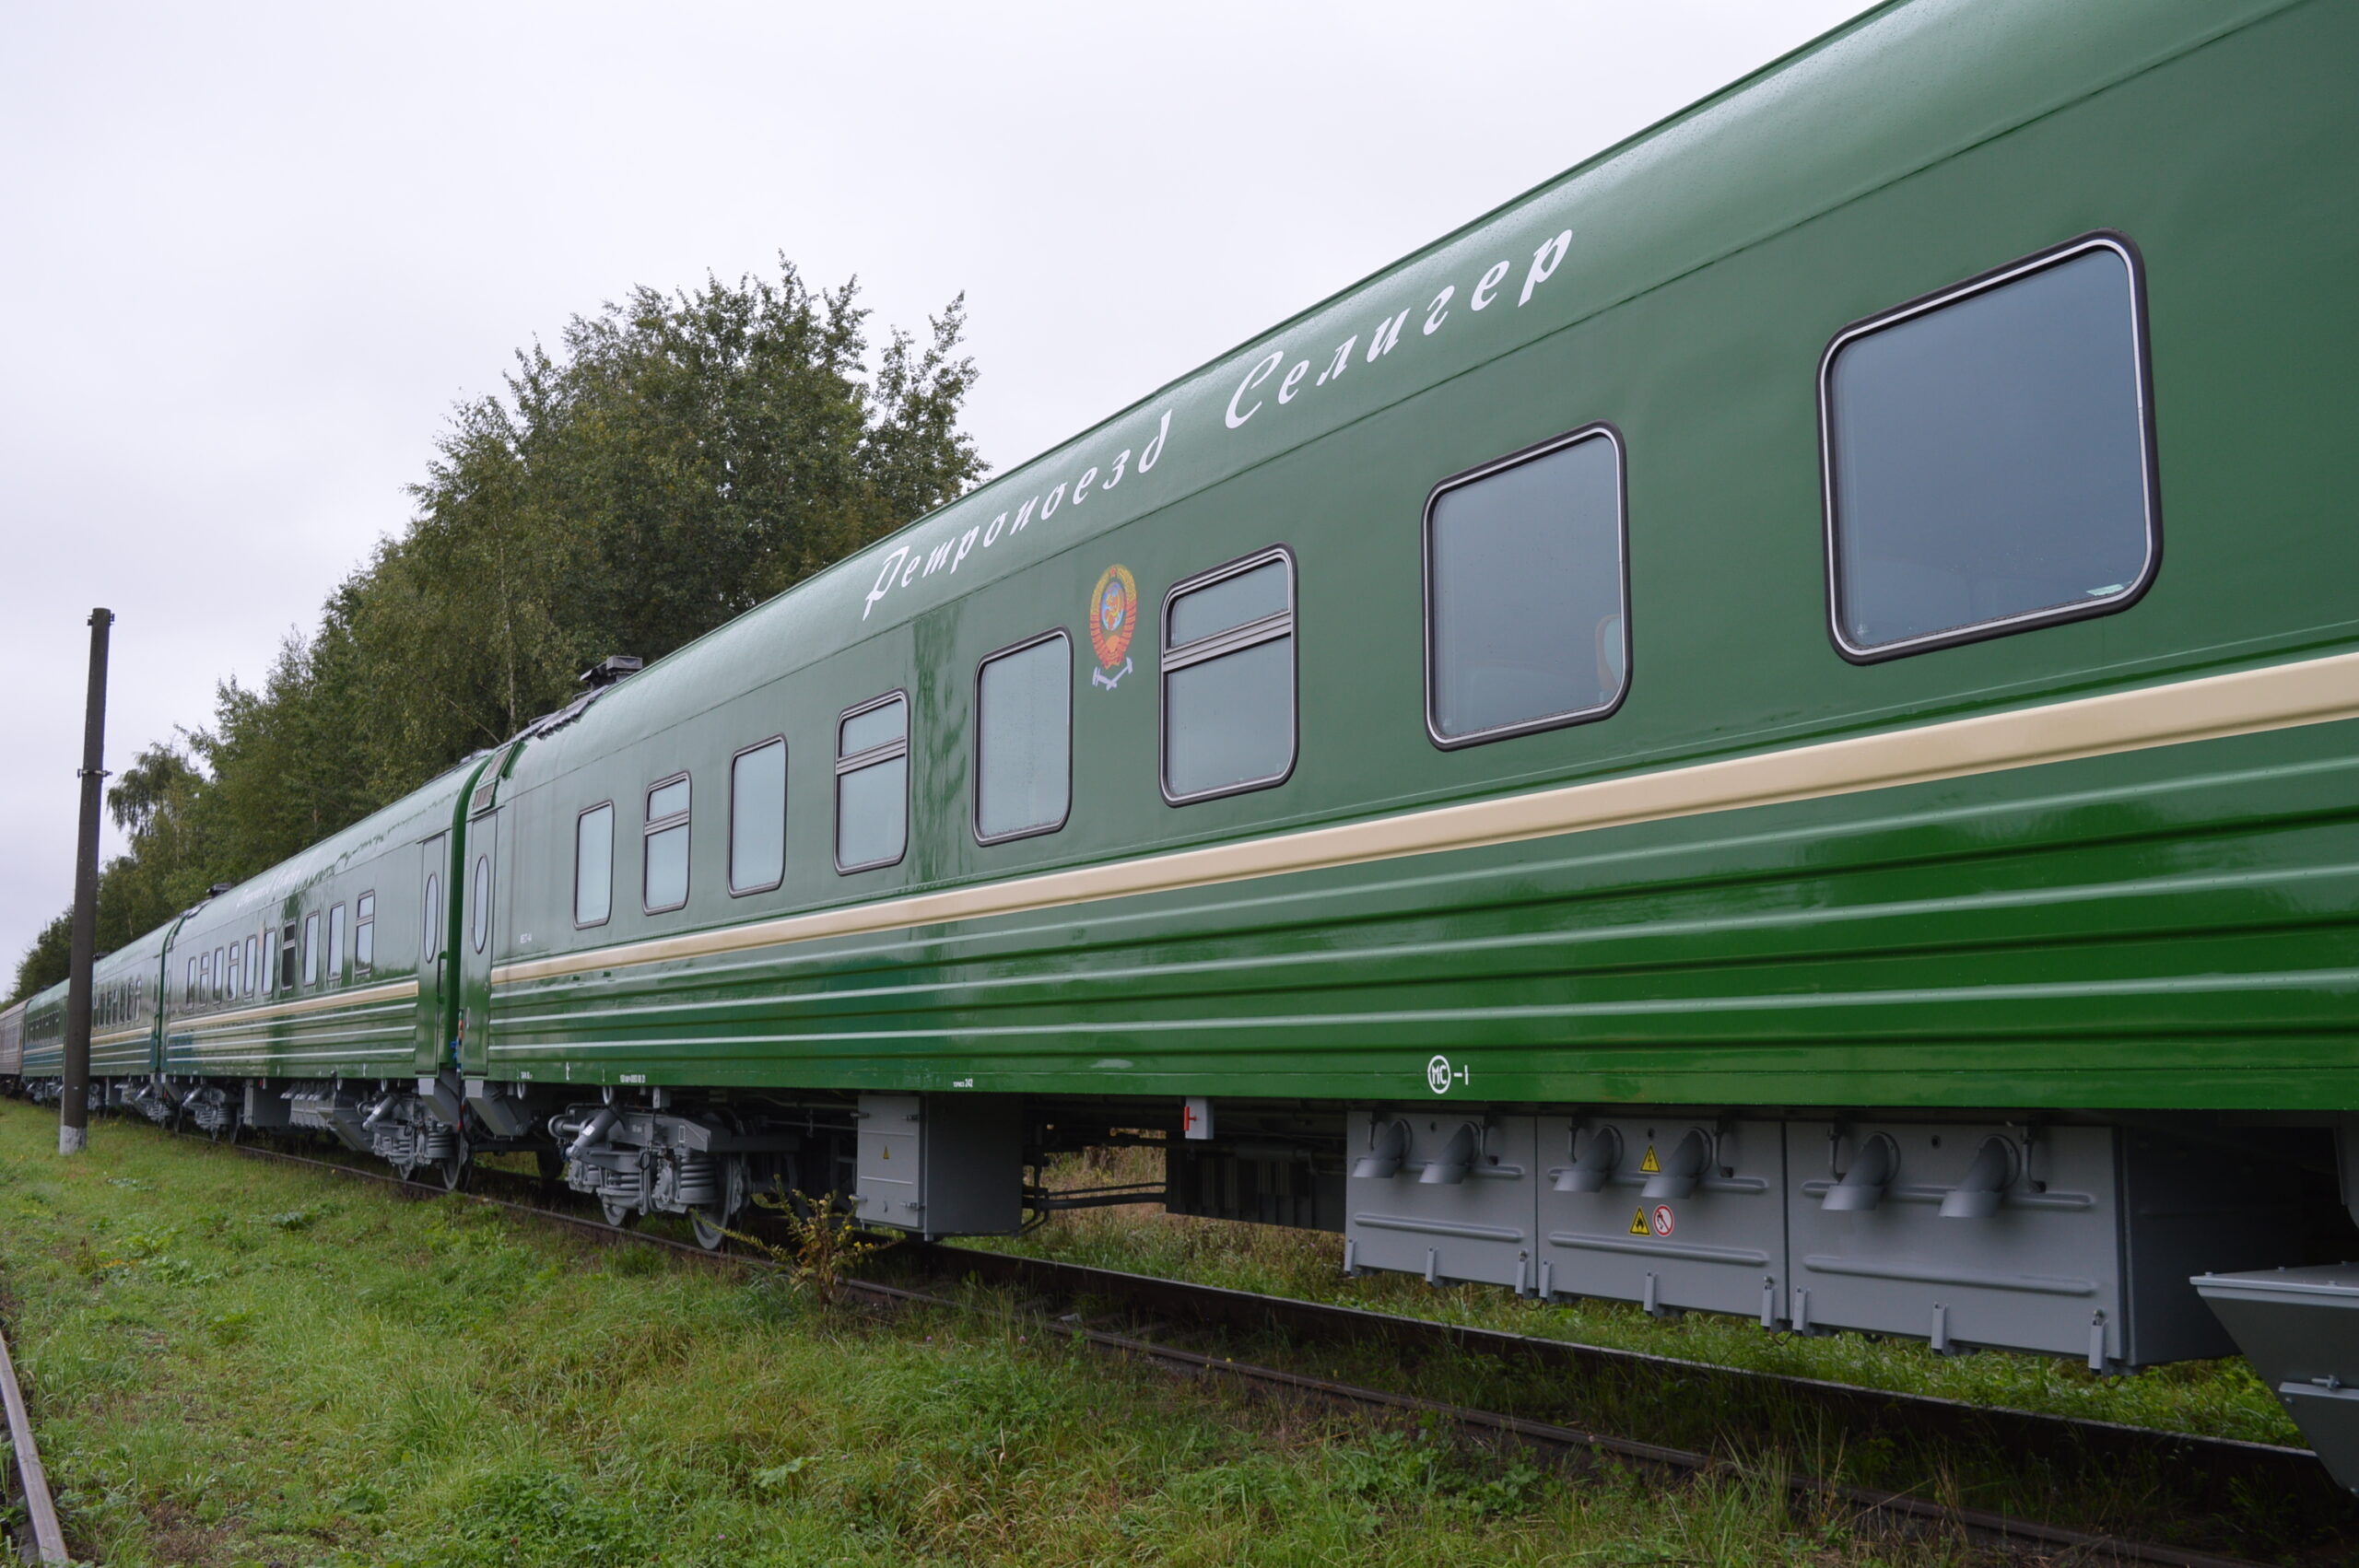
[2121,1242]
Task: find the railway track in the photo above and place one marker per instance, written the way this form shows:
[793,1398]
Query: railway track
[1063,1295]
[2212,1471]
[31,1481]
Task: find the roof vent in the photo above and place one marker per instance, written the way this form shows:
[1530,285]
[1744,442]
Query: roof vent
[613,668]
[217,889]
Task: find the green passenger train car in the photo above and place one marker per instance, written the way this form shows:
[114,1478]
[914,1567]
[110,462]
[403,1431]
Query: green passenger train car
[124,1013]
[44,1040]
[1768,728]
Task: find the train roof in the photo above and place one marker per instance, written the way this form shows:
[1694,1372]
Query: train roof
[139,956]
[419,815]
[1890,90]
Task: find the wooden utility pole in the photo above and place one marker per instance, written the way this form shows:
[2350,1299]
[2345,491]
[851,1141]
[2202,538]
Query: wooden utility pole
[73,1110]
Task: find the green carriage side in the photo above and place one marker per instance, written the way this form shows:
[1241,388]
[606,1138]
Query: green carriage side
[44,1038]
[2018,873]
[330,964]
[125,991]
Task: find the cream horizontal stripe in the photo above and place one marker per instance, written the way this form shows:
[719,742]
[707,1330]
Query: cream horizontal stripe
[395,990]
[2278,697]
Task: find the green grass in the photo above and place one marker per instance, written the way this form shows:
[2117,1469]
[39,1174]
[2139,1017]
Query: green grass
[236,1362]
[2219,1398]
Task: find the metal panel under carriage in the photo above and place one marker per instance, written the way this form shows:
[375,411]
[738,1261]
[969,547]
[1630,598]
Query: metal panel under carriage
[1440,1194]
[941,1165]
[1668,1209]
[2300,1329]
[2074,1240]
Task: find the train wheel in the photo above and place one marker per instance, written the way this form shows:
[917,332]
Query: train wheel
[622,1216]
[457,1168]
[710,1221]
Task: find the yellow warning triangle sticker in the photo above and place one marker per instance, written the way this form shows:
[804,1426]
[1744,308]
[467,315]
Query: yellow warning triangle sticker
[1650,1166]
[1638,1226]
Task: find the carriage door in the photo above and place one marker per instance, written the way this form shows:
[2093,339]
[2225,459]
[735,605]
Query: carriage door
[434,955]
[475,932]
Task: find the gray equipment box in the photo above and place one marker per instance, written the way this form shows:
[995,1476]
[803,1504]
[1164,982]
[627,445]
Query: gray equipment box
[1665,1210]
[1441,1194]
[265,1106]
[2070,1240]
[941,1165]
[2300,1329]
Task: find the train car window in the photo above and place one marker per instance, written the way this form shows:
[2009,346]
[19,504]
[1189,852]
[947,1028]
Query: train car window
[286,970]
[479,919]
[758,817]
[1526,609]
[188,992]
[335,945]
[1024,740]
[364,933]
[594,865]
[311,967]
[213,975]
[236,970]
[1228,679]
[253,953]
[1989,462]
[872,784]
[664,884]
[429,942]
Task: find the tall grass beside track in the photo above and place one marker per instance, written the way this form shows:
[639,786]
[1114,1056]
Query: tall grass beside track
[235,1362]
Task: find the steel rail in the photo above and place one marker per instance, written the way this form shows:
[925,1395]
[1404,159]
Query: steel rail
[2003,1530]
[49,1539]
[2216,1468]
[2000,1529]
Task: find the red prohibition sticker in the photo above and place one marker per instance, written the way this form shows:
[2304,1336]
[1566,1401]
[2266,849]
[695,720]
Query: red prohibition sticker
[1664,1220]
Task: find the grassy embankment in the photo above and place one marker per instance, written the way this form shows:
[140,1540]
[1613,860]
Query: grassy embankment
[2216,1398]
[236,1362]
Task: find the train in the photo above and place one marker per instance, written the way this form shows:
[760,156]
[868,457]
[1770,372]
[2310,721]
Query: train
[1770,728]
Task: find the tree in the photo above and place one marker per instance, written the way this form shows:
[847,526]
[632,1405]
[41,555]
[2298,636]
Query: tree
[44,962]
[682,458]
[690,456]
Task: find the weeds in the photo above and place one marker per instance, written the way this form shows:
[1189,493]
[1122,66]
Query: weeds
[821,1244]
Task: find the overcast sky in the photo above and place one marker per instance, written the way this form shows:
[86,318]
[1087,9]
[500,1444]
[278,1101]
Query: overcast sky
[258,252]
